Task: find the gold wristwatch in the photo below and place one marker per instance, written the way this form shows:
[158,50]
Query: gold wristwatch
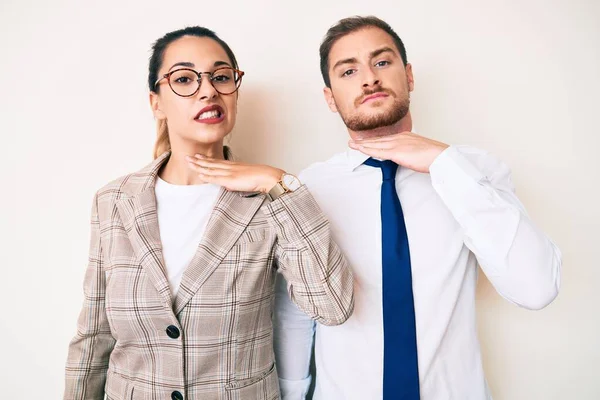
[287,183]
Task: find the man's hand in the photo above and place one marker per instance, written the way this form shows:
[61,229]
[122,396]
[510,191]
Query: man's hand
[406,149]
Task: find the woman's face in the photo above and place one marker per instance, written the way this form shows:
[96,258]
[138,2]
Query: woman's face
[207,116]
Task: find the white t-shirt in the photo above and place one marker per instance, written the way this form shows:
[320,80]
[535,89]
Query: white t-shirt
[183,212]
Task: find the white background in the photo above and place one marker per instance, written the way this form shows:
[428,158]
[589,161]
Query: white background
[519,78]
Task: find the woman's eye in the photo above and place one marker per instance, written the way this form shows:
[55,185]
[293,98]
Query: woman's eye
[183,80]
[221,78]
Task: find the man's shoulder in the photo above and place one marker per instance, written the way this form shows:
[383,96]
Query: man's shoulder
[322,170]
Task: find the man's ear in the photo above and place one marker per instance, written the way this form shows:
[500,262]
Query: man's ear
[329,99]
[409,77]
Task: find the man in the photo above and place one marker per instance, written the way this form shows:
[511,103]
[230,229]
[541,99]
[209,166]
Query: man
[414,217]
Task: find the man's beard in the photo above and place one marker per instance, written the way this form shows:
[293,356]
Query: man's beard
[397,111]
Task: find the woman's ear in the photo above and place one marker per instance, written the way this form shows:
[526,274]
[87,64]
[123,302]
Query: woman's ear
[156,107]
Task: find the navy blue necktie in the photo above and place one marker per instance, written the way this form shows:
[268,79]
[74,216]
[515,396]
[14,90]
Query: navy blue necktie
[400,367]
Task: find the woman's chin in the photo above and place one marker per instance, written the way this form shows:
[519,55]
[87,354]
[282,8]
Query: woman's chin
[205,138]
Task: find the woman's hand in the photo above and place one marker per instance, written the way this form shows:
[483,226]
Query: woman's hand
[235,176]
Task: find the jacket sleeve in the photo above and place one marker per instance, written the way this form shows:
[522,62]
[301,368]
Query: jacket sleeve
[319,279]
[90,349]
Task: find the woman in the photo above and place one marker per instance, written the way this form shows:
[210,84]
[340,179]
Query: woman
[179,287]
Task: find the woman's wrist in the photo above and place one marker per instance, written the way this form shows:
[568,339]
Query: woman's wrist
[272,177]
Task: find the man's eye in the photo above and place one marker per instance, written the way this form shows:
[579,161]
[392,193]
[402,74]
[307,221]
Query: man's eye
[382,63]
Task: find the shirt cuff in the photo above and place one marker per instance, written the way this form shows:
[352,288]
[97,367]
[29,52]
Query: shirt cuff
[459,184]
[294,389]
[475,203]
[451,166]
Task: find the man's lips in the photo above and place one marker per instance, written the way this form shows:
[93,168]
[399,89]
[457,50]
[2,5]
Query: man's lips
[374,96]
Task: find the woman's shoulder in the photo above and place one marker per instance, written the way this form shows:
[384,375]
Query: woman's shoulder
[131,184]
[115,187]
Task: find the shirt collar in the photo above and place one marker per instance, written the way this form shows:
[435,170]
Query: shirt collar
[354,159]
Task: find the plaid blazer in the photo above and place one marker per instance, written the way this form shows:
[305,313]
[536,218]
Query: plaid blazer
[214,339]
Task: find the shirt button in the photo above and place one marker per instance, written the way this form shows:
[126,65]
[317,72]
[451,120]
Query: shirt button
[173,333]
[176,396]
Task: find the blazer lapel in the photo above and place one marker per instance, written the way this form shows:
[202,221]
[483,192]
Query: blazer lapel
[233,211]
[140,219]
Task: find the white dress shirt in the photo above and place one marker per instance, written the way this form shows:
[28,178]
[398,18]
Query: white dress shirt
[183,213]
[462,213]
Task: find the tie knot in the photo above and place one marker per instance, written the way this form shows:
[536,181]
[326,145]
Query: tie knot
[388,167]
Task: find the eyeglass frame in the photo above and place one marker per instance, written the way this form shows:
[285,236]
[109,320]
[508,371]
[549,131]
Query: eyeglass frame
[199,74]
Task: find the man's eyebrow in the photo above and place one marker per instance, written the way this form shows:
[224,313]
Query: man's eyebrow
[373,54]
[351,60]
[382,50]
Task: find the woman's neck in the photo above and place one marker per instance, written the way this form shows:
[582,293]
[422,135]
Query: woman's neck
[177,170]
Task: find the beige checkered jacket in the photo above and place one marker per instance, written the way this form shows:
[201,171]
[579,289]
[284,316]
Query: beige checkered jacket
[214,339]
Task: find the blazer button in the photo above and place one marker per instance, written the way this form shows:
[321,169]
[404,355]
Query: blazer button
[176,396]
[173,333]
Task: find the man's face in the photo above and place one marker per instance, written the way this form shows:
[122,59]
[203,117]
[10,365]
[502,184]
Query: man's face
[369,84]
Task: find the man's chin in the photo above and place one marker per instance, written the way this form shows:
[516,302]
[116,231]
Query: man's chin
[372,120]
